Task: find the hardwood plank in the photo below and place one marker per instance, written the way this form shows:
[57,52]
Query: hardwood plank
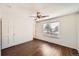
[39,48]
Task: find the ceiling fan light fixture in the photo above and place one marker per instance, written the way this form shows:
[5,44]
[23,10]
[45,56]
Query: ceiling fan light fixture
[39,16]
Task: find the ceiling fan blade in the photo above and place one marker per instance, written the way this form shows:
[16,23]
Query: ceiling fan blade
[33,16]
[39,16]
[46,16]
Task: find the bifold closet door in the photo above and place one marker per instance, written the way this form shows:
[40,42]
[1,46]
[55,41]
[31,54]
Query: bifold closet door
[7,33]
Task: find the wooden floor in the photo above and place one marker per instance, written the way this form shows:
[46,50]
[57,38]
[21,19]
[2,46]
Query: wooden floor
[38,48]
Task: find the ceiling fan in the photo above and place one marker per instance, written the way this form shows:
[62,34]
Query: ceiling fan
[39,16]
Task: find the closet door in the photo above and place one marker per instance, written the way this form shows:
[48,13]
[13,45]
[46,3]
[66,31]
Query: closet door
[5,34]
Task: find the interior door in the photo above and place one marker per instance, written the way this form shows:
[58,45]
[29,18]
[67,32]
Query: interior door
[5,34]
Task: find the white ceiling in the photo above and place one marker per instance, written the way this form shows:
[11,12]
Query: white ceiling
[52,9]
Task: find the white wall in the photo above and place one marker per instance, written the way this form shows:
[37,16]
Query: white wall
[17,26]
[68,31]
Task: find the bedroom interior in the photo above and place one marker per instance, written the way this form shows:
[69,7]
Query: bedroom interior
[38,29]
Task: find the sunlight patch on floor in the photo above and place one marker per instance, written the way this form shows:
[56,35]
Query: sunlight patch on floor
[47,50]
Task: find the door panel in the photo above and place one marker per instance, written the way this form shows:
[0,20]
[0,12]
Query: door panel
[5,34]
